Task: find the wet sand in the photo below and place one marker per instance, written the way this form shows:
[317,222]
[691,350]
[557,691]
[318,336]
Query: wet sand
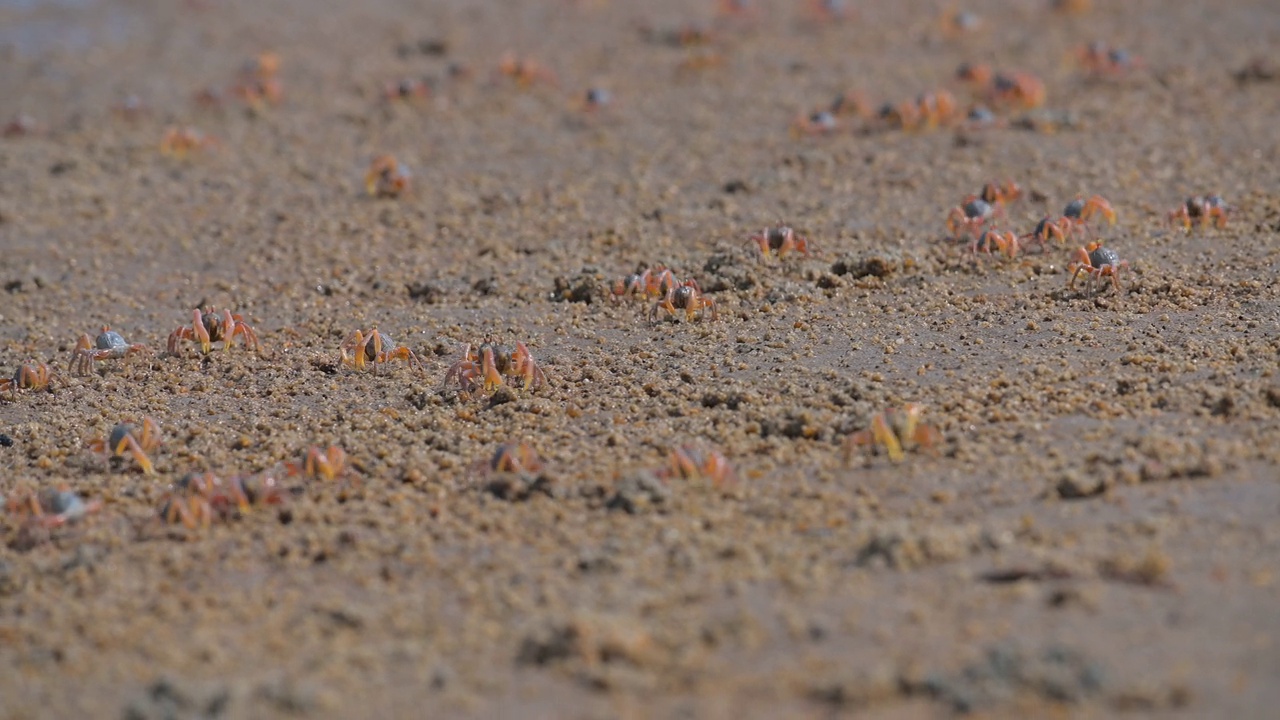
[1094,534]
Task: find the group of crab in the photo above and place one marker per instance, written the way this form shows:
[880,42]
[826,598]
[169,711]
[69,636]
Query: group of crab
[978,216]
[670,295]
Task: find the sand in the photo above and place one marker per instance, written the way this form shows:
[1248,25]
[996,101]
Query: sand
[1094,533]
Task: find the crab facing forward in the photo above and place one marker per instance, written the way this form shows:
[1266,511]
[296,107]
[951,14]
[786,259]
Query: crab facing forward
[896,430]
[486,365]
[781,240]
[210,326]
[373,347]
[686,296]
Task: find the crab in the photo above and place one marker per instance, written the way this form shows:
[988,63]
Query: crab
[386,177]
[27,377]
[317,464]
[781,239]
[126,438]
[109,345]
[518,458]
[1018,90]
[976,75]
[1201,210]
[209,326]
[406,89]
[998,195]
[954,23]
[684,296]
[896,430]
[489,363]
[1048,229]
[970,216]
[50,508]
[374,347]
[1006,243]
[1101,61]
[936,108]
[179,142]
[1098,262]
[829,11]
[691,463]
[525,72]
[197,498]
[1078,212]
[653,282]
[595,100]
[821,122]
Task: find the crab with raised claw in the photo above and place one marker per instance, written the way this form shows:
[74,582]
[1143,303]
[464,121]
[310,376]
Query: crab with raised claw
[109,345]
[780,239]
[489,363]
[1201,210]
[519,458]
[1078,212]
[374,347]
[27,377]
[896,431]
[316,464]
[210,326]
[1097,262]
[127,438]
[1006,243]
[685,296]
[691,463]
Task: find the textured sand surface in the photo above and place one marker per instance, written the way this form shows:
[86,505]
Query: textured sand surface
[1096,532]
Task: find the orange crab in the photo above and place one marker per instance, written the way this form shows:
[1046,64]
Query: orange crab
[821,122]
[1006,243]
[525,72]
[489,363]
[316,464]
[126,438]
[685,296]
[27,377]
[374,347]
[1099,60]
[179,142]
[198,498]
[209,326]
[519,458]
[1017,90]
[50,508]
[970,216]
[780,239]
[1201,210]
[1078,212]
[1000,194]
[653,282]
[1098,262]
[691,463]
[406,89]
[109,345]
[386,177]
[896,431]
